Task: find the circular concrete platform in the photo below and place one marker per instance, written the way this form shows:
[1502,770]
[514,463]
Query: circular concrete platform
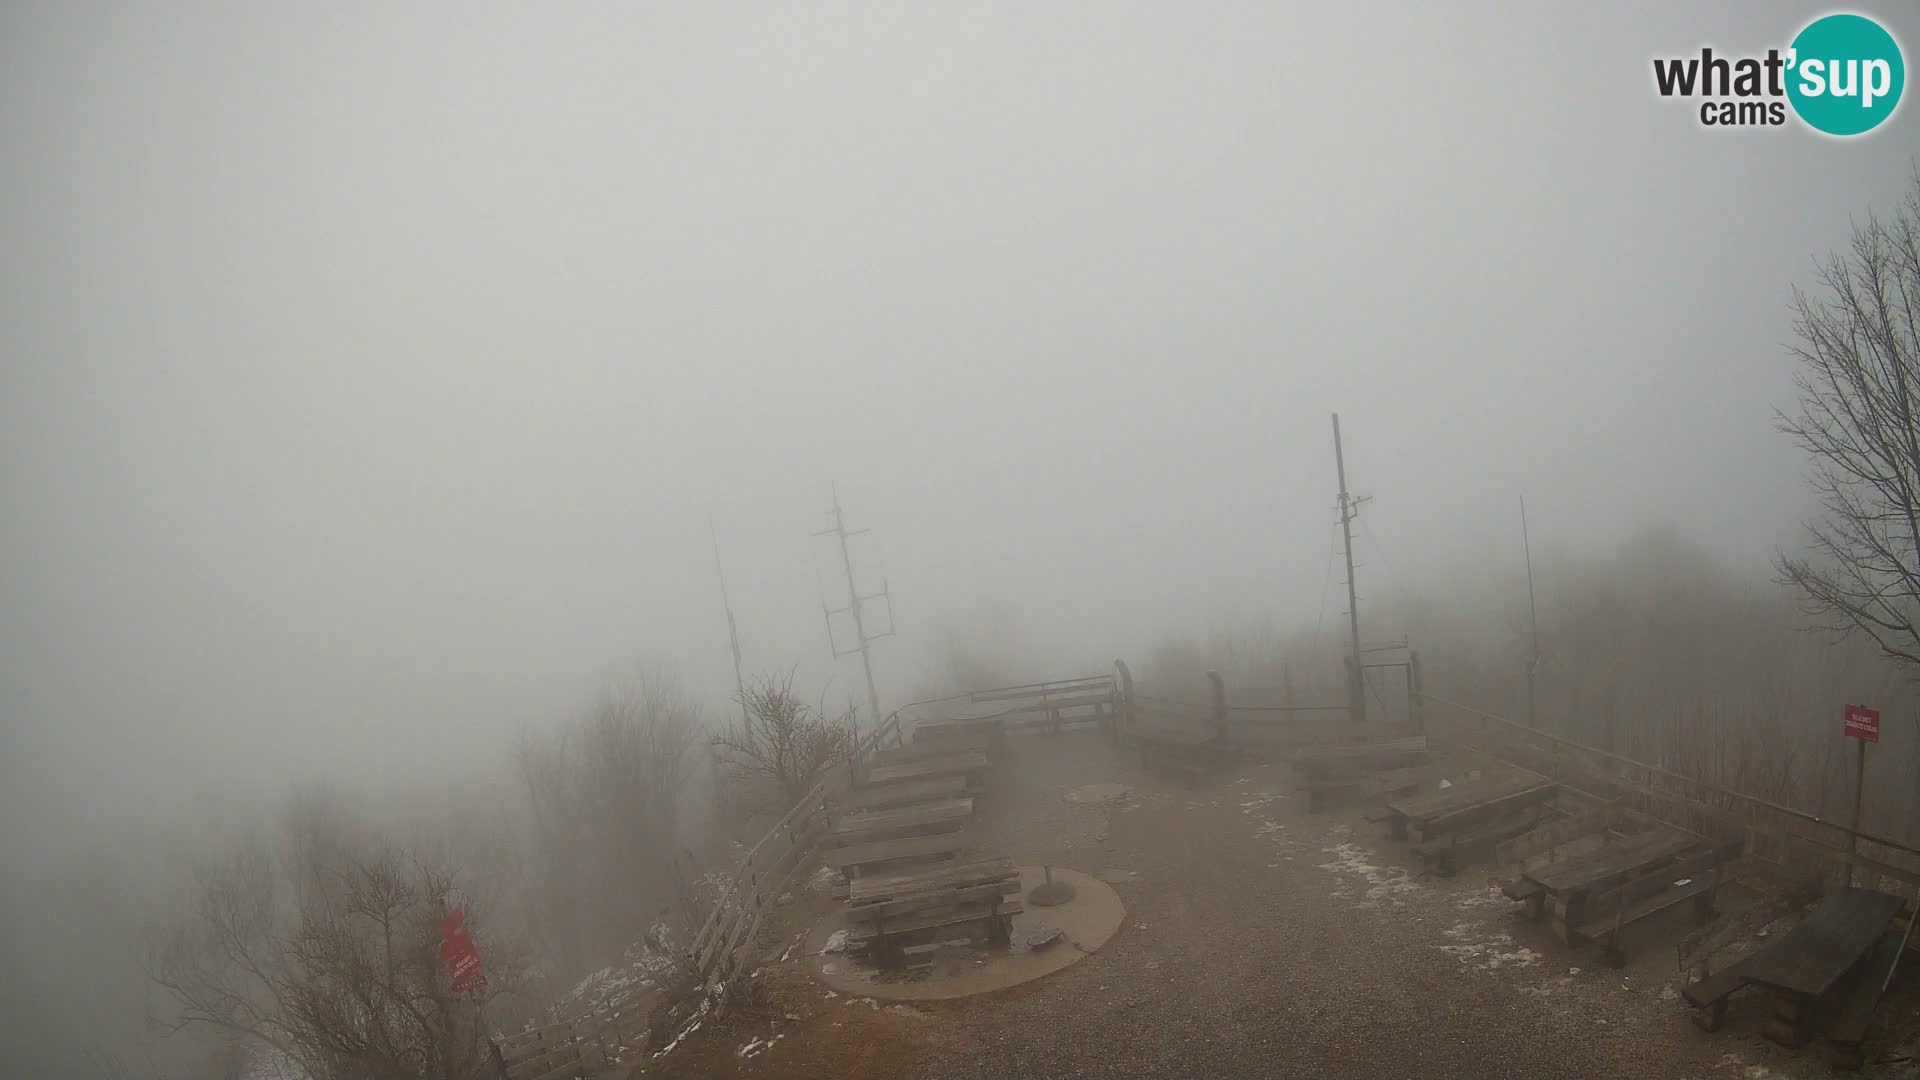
[959,968]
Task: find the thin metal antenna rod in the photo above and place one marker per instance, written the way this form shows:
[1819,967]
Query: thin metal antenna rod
[733,629]
[1533,616]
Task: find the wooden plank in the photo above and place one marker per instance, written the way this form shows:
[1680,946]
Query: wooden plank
[901,821]
[1614,860]
[883,796]
[1446,850]
[1854,1009]
[927,768]
[904,848]
[1467,795]
[886,911]
[934,919]
[1820,949]
[1553,834]
[1648,894]
[928,879]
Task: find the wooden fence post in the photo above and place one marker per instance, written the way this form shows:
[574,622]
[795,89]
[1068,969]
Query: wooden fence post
[1219,705]
[1126,700]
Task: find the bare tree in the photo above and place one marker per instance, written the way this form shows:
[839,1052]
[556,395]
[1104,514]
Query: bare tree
[329,967]
[604,795]
[782,746]
[1859,353]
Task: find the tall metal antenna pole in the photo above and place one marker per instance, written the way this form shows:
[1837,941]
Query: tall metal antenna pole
[1533,615]
[733,629]
[1356,690]
[855,603]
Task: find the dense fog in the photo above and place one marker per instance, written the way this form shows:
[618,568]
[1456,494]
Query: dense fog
[369,377]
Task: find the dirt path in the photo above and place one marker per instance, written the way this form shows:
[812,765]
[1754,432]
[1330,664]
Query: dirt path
[1259,941]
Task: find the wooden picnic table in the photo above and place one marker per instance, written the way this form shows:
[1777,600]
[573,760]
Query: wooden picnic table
[1468,802]
[1568,882]
[962,763]
[1802,967]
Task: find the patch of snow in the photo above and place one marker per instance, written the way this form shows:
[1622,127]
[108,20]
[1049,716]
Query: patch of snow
[836,942]
[1489,953]
[757,1046]
[1389,884]
[693,1025]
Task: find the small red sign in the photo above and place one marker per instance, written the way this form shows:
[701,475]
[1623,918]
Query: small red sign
[460,953]
[1863,723]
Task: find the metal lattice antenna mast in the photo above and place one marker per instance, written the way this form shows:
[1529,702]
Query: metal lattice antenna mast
[1349,509]
[733,629]
[855,605]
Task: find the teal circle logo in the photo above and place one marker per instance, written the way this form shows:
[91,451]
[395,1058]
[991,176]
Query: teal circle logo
[1846,74]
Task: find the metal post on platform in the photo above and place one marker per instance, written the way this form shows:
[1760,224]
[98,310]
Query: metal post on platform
[1415,703]
[1859,796]
[1219,687]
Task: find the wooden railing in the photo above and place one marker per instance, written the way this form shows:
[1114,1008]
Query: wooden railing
[1249,717]
[582,1047]
[1781,842]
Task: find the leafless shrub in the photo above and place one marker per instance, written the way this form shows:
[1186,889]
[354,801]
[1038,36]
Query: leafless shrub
[782,746]
[604,798]
[322,957]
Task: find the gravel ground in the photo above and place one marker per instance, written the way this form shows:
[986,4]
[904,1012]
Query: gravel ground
[1263,941]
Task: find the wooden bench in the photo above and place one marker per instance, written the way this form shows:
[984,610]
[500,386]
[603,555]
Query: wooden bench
[1444,852]
[1709,996]
[876,888]
[885,930]
[972,764]
[942,815]
[1803,967]
[1853,1013]
[873,856]
[1695,878]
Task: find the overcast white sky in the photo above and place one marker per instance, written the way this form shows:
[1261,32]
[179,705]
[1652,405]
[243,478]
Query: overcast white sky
[367,371]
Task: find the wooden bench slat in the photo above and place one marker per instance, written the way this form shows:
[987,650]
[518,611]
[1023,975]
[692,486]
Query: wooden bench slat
[928,879]
[878,851]
[885,912]
[885,796]
[1713,989]
[930,920]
